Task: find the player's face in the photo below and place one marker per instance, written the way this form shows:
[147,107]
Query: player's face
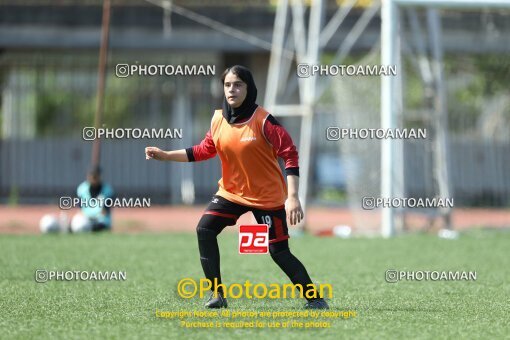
[94,180]
[235,90]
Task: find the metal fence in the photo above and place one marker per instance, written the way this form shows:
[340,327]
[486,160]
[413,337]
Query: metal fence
[47,99]
[43,169]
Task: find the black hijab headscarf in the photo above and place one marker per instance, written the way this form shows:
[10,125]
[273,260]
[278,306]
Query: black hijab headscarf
[233,115]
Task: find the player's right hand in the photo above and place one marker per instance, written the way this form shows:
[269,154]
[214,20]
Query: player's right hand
[152,152]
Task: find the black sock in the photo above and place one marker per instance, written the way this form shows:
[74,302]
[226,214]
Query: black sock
[209,251]
[98,227]
[294,269]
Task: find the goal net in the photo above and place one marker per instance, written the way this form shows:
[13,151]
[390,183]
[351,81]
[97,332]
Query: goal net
[452,82]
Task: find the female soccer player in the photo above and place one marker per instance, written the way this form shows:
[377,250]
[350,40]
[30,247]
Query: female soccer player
[248,141]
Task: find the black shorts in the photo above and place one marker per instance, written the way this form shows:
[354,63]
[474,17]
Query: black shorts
[276,219]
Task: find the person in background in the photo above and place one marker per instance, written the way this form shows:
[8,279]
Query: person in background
[92,216]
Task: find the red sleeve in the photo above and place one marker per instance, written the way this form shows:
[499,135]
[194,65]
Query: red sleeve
[205,150]
[282,143]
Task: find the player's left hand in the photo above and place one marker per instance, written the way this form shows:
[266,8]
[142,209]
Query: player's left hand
[294,211]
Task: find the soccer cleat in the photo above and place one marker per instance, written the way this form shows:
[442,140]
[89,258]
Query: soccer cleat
[317,304]
[216,301]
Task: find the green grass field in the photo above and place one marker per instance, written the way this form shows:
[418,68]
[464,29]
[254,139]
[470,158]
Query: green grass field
[156,262]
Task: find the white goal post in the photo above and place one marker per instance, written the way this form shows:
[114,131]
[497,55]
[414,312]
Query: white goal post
[390,50]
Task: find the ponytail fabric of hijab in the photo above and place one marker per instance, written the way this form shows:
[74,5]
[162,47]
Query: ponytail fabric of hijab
[246,109]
